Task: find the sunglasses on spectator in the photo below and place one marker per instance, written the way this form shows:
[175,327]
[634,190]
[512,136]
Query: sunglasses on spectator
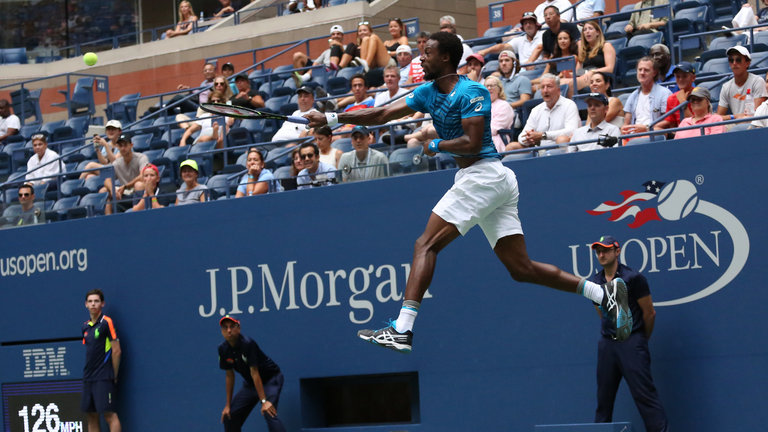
[25,194]
[219,83]
[38,137]
[735,60]
[307,156]
[363,23]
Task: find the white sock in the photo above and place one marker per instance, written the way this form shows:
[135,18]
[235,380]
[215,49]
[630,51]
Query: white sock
[407,316]
[306,77]
[593,292]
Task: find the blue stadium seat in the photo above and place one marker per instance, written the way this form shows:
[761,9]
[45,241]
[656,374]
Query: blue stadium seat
[401,161]
[61,207]
[282,91]
[283,72]
[349,72]
[336,2]
[81,98]
[153,155]
[26,104]
[618,43]
[716,66]
[689,21]
[141,142]
[124,109]
[14,55]
[49,127]
[278,157]
[29,129]
[71,187]
[490,67]
[274,104]
[170,160]
[282,172]
[205,161]
[90,205]
[637,47]
[725,42]
[219,185]
[11,195]
[343,144]
[616,29]
[337,86]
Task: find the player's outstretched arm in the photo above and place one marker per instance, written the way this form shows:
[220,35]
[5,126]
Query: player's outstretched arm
[365,117]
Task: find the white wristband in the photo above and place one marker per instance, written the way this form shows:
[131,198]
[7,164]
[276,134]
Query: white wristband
[332,118]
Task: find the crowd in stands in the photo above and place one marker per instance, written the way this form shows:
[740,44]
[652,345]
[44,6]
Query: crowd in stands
[551,83]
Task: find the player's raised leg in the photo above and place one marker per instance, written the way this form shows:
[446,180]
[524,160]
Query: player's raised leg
[399,335]
[612,296]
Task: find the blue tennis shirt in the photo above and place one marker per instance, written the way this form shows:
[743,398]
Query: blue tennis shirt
[467,99]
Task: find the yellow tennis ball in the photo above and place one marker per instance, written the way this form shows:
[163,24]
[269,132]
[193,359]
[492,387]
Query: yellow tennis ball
[90,58]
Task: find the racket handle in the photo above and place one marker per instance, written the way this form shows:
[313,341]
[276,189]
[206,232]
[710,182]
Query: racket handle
[297,119]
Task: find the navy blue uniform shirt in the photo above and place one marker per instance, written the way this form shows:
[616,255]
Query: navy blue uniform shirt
[637,287]
[242,356]
[97,338]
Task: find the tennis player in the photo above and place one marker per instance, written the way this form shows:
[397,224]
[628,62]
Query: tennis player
[484,193]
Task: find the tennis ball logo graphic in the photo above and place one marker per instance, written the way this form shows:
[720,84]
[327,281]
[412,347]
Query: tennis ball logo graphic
[677,200]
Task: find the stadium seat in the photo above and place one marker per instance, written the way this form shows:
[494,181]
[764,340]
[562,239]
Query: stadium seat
[337,86]
[716,66]
[336,2]
[28,130]
[282,72]
[274,104]
[90,205]
[278,157]
[618,43]
[349,72]
[343,144]
[219,185]
[26,104]
[401,161]
[72,187]
[723,13]
[80,100]
[141,142]
[259,76]
[282,91]
[14,55]
[11,195]
[10,213]
[616,30]
[689,21]
[60,208]
[627,58]
[170,160]
[171,136]
[205,161]
[153,155]
[282,172]
[725,42]
[490,67]
[288,108]
[124,109]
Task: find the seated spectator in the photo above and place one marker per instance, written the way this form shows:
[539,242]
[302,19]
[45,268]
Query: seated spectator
[596,127]
[150,176]
[590,9]
[502,115]
[30,213]
[227,70]
[517,87]
[328,154]
[416,72]
[448,24]
[186,19]
[392,78]
[563,7]
[662,60]
[552,118]
[566,47]
[647,103]
[602,83]
[315,173]
[733,95]
[127,171]
[363,163]
[404,58]
[209,73]
[190,191]
[246,96]
[644,21]
[43,155]
[9,123]
[292,131]
[398,37]
[228,7]
[330,58]
[685,74]
[594,54]
[106,149]
[296,167]
[550,35]
[523,45]
[701,104]
[475,63]
[369,51]
[209,131]
[360,98]
[256,180]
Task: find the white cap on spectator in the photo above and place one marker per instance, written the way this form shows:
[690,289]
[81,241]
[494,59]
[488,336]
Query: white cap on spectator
[402,49]
[741,50]
[337,28]
[114,124]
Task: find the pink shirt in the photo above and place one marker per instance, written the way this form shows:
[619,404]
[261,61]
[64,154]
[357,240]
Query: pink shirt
[709,118]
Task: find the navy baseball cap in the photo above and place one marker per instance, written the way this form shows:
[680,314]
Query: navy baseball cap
[305,89]
[598,97]
[359,129]
[684,66]
[606,241]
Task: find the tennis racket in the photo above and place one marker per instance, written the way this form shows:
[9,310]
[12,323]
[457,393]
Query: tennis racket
[248,113]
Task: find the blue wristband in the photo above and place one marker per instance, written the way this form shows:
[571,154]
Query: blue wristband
[434,146]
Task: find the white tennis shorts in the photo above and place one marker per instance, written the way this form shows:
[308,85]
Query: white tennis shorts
[485,194]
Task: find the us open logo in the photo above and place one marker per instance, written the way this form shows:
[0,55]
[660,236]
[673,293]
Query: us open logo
[677,202]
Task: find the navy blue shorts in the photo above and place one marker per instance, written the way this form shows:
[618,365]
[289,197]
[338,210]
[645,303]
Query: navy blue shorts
[98,396]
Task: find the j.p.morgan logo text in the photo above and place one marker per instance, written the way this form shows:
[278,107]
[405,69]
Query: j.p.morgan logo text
[674,202]
[361,287]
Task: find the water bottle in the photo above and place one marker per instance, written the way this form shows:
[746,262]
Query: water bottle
[202,17]
[749,104]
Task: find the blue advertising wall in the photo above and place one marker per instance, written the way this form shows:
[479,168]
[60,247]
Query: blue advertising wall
[305,270]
